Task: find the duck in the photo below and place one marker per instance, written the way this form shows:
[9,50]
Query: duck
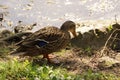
[46,41]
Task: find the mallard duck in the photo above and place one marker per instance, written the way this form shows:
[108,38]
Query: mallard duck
[46,40]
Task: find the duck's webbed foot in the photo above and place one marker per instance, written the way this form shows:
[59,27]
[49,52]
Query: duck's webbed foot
[50,58]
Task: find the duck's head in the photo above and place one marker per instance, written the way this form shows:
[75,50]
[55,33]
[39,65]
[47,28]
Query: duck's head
[69,26]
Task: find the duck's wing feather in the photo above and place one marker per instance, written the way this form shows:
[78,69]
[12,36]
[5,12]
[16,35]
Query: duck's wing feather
[43,37]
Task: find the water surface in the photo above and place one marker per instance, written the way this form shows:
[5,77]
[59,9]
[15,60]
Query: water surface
[55,12]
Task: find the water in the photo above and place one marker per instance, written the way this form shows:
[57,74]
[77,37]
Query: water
[55,12]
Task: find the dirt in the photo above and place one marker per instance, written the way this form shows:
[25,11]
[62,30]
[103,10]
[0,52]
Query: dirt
[78,61]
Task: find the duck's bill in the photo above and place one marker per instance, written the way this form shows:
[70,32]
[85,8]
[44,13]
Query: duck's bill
[73,33]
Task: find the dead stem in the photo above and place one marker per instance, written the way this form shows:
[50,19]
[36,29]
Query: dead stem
[102,51]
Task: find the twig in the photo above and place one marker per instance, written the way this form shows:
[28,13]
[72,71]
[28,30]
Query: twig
[114,38]
[108,40]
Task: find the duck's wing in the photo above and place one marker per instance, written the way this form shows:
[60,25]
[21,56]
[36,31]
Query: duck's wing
[43,37]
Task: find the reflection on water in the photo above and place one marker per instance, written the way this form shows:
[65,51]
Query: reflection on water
[55,12]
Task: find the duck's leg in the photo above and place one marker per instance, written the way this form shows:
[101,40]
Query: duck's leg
[49,58]
[46,56]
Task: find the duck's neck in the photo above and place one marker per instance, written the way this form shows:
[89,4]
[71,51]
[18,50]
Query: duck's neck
[66,32]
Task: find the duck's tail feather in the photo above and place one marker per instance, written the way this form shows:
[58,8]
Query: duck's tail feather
[16,53]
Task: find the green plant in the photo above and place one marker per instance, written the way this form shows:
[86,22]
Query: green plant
[110,28]
[89,75]
[88,49]
[16,70]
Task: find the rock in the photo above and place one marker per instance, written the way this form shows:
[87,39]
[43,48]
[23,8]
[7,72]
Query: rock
[23,28]
[5,33]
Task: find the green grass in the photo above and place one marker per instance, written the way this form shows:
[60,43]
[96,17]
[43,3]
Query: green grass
[15,70]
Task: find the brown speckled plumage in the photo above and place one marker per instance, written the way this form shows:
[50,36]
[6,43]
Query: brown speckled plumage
[56,39]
